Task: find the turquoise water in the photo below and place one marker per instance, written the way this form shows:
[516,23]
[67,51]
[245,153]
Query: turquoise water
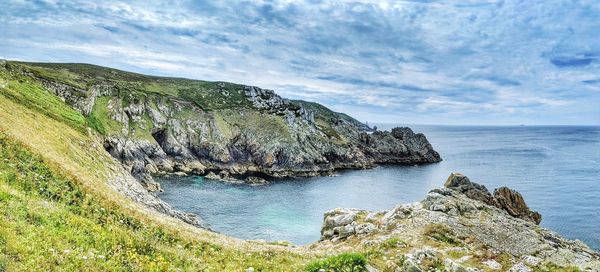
[556,168]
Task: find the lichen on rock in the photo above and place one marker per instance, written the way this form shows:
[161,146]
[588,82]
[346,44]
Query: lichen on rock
[487,232]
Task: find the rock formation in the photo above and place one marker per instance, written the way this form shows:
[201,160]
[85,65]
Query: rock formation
[161,125]
[504,198]
[461,227]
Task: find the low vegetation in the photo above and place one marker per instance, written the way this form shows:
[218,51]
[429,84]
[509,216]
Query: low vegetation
[345,262]
[207,95]
[442,234]
[58,211]
[392,243]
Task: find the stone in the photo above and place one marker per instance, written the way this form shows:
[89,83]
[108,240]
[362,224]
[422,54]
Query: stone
[531,260]
[462,184]
[513,202]
[411,266]
[365,228]
[339,217]
[503,198]
[452,266]
[399,212]
[212,175]
[153,186]
[256,181]
[465,223]
[371,268]
[520,267]
[492,264]
[374,216]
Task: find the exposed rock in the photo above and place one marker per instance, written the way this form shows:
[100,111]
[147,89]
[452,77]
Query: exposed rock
[520,267]
[153,187]
[339,223]
[256,181]
[123,182]
[450,217]
[492,264]
[272,138]
[504,198]
[461,183]
[531,260]
[212,175]
[512,202]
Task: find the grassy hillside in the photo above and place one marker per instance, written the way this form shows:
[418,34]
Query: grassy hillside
[207,95]
[57,211]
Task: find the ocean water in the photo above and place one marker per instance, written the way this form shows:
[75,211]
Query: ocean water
[556,168]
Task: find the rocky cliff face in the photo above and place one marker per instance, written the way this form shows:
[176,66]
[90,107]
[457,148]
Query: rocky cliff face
[458,228]
[226,131]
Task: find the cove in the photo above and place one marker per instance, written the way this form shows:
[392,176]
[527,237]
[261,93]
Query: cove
[547,164]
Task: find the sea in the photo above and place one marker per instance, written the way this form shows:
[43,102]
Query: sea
[555,168]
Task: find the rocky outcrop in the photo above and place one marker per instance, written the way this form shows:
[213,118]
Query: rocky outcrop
[504,198]
[258,137]
[122,182]
[512,202]
[459,228]
[264,99]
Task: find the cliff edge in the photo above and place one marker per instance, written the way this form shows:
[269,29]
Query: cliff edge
[158,125]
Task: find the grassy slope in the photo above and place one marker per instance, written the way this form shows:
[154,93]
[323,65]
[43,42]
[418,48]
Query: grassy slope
[207,95]
[77,218]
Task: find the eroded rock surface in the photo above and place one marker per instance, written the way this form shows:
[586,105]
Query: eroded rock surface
[161,125]
[462,228]
[504,198]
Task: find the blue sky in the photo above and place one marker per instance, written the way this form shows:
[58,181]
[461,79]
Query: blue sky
[419,62]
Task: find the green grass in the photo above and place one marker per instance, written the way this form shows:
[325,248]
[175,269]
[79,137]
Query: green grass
[207,95]
[50,221]
[100,119]
[549,267]
[47,221]
[392,243]
[60,75]
[267,127]
[58,213]
[31,94]
[442,234]
[345,262]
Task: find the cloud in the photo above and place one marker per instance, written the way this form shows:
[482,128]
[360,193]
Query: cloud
[426,60]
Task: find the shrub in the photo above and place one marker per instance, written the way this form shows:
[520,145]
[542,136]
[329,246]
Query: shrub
[345,262]
[393,242]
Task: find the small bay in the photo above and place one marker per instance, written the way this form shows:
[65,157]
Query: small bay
[556,168]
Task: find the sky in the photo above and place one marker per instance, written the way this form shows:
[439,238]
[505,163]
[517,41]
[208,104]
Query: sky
[410,62]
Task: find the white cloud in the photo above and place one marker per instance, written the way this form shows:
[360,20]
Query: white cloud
[391,57]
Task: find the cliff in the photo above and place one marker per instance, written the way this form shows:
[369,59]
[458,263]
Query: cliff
[157,125]
[67,204]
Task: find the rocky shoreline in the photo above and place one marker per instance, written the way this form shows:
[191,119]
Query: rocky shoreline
[259,137]
[462,226]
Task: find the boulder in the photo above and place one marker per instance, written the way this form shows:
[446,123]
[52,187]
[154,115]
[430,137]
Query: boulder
[504,198]
[513,202]
[461,183]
